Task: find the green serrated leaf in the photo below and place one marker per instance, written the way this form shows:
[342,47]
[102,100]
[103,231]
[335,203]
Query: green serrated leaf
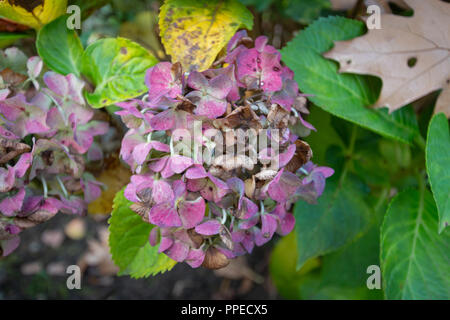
[194,32]
[344,95]
[415,259]
[117,69]
[340,216]
[128,241]
[59,47]
[438,166]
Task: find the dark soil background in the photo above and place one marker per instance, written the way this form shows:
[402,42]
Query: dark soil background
[37,269]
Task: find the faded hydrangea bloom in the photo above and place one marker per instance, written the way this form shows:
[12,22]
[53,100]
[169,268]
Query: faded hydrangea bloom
[46,139]
[217,155]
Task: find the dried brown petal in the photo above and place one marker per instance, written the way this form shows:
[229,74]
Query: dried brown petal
[196,238]
[12,78]
[242,117]
[225,236]
[278,117]
[141,209]
[214,259]
[250,187]
[302,155]
[34,219]
[10,149]
[266,174]
[231,163]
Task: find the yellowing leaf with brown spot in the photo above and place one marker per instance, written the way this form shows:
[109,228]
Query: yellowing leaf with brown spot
[410,54]
[194,32]
[34,14]
[115,178]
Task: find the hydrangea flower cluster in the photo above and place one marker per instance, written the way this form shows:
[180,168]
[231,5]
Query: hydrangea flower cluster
[207,210]
[46,138]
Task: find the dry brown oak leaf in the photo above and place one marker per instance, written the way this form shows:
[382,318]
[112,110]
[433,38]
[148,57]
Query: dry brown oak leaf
[410,54]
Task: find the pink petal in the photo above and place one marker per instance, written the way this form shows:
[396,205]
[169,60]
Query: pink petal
[164,215]
[162,192]
[209,228]
[165,244]
[163,121]
[195,257]
[191,212]
[154,236]
[178,251]
[11,205]
[196,172]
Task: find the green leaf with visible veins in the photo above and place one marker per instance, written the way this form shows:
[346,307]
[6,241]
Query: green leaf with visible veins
[340,216]
[59,47]
[415,259]
[438,166]
[117,68]
[128,241]
[344,95]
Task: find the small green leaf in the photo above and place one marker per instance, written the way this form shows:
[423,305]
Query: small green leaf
[8,38]
[340,216]
[117,69]
[306,11]
[438,166]
[195,31]
[128,241]
[344,95]
[59,47]
[415,259]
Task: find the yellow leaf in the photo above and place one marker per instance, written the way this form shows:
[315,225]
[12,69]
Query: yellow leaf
[410,54]
[34,14]
[194,32]
[115,178]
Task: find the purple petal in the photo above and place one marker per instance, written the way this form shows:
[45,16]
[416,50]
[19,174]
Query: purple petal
[209,228]
[162,192]
[11,205]
[195,257]
[165,244]
[191,212]
[196,172]
[178,251]
[164,215]
[153,239]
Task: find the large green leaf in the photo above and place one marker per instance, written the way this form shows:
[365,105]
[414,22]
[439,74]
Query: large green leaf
[344,95]
[438,166]
[195,31]
[415,259]
[340,216]
[117,69]
[313,281]
[59,47]
[128,241]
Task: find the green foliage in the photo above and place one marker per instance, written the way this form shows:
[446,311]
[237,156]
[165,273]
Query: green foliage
[438,169]
[344,95]
[59,47]
[117,69]
[415,259]
[128,241]
[8,38]
[305,11]
[340,216]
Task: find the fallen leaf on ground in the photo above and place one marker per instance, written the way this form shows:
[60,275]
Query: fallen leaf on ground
[115,177]
[98,255]
[52,238]
[410,54]
[239,269]
[76,229]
